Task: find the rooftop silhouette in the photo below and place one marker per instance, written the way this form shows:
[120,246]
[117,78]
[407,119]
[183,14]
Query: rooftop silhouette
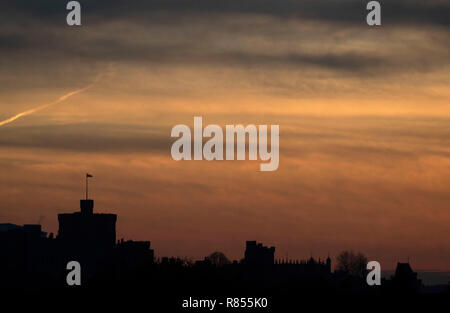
[34,259]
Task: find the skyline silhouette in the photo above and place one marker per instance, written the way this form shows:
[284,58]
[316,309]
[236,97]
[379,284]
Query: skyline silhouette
[65,220]
[90,238]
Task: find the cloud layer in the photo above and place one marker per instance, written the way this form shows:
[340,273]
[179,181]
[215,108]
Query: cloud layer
[363,115]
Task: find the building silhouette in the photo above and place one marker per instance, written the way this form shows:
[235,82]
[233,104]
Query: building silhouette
[86,229]
[30,257]
[87,237]
[84,236]
[405,279]
[257,254]
[306,266]
[133,254]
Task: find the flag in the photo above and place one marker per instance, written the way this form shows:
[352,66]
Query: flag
[89,175]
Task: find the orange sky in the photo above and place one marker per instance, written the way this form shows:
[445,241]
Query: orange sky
[364,121]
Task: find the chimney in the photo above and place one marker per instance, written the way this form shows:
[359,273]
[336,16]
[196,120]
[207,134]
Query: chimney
[87,207]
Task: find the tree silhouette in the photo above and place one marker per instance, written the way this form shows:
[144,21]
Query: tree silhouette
[218,259]
[352,263]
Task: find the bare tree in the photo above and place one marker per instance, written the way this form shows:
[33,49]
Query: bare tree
[352,263]
[218,259]
[186,261]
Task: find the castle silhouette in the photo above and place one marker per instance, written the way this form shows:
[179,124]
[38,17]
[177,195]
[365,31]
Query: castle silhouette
[33,259]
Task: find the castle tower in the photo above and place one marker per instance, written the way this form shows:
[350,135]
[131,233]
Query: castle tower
[328,263]
[86,229]
[87,206]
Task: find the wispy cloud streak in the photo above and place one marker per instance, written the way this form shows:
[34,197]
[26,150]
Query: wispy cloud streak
[59,100]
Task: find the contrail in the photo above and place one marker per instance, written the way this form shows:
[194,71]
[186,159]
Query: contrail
[60,99]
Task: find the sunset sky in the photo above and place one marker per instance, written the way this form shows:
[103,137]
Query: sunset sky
[364,115]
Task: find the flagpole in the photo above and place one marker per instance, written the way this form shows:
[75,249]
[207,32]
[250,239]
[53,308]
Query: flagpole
[86,186]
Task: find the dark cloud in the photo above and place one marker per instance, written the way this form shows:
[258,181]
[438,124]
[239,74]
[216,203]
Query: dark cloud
[49,47]
[343,138]
[434,12]
[95,138]
[37,47]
